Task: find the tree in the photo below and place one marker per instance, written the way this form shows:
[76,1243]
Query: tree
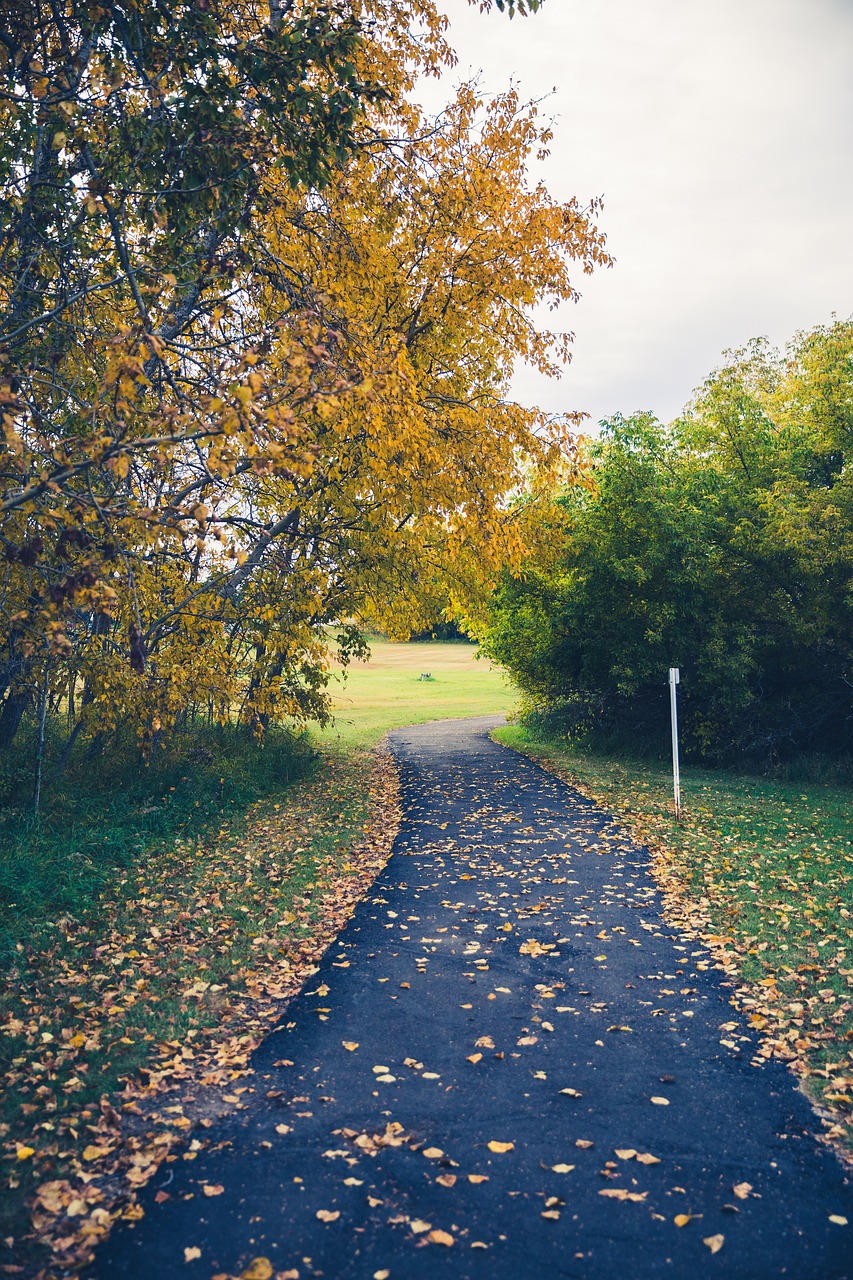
[722,545]
[217,446]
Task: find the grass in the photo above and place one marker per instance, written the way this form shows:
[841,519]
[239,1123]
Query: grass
[770,864]
[387,692]
[103,817]
[134,886]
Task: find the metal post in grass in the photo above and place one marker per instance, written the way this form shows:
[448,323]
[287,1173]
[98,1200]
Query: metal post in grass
[673,711]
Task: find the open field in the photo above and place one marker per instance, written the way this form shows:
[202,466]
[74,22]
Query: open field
[386,692]
[767,867]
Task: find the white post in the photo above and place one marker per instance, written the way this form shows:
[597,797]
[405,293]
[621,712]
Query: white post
[673,709]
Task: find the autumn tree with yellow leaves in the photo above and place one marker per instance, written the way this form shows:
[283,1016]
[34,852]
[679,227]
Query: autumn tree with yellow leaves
[259,314]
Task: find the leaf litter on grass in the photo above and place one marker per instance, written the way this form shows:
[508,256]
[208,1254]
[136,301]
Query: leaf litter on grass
[201,947]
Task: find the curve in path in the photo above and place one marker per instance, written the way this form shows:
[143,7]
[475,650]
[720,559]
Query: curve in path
[529,1036]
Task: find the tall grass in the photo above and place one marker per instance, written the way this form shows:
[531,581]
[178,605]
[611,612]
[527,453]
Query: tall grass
[105,814]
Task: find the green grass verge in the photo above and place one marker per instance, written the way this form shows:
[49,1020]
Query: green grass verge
[772,862]
[109,923]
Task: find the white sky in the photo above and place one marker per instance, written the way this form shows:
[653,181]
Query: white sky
[720,133]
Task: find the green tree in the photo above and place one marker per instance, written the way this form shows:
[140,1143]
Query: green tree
[722,545]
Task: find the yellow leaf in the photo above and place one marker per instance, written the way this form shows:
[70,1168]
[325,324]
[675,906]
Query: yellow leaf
[681,1219]
[501,1147]
[660,1102]
[352,1045]
[258,1269]
[419,1226]
[645,1158]
[440,1237]
[742,1190]
[213,1190]
[328,1215]
[477,1178]
[24,1153]
[433,1153]
[191,1253]
[447,1179]
[625,1153]
[714,1243]
[475,1057]
[562,1168]
[838,1219]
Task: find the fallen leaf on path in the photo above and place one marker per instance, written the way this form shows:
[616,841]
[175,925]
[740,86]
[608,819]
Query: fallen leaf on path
[619,1193]
[714,1243]
[440,1237]
[433,1153]
[742,1190]
[838,1219]
[681,1219]
[625,1153]
[501,1147]
[191,1253]
[562,1168]
[419,1226]
[328,1215]
[660,1102]
[215,1189]
[478,1177]
[572,1093]
[644,1157]
[584,1144]
[475,1058]
[447,1179]
[352,1045]
[258,1269]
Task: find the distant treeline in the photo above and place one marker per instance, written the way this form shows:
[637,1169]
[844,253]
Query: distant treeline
[721,544]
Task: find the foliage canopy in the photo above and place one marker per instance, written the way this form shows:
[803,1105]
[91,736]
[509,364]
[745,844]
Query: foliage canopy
[257,319]
[722,545]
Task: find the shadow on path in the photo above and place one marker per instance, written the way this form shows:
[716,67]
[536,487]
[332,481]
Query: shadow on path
[517,922]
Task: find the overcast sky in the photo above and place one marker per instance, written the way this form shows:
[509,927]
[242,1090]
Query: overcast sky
[720,133]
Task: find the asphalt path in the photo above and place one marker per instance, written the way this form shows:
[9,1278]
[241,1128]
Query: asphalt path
[507,1066]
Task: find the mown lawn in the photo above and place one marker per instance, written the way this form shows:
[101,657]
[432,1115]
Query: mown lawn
[770,864]
[387,692]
